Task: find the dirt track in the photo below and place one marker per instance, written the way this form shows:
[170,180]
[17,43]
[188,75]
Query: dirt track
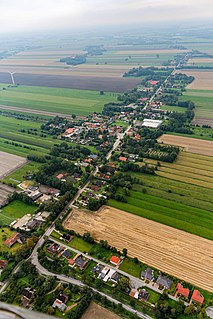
[97,312]
[178,253]
[192,145]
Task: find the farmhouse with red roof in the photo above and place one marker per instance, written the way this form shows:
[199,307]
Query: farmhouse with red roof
[122,159]
[13,240]
[197,297]
[115,260]
[182,291]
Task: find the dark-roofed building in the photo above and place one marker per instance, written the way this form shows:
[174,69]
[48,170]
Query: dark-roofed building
[164,282]
[148,274]
[97,269]
[67,237]
[81,262]
[143,295]
[116,277]
[62,297]
[53,248]
[28,293]
[67,254]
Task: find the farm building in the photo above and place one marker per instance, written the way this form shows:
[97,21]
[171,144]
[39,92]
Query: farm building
[151,123]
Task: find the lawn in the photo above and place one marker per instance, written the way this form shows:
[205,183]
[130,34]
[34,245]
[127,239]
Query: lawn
[15,209]
[68,101]
[80,244]
[131,268]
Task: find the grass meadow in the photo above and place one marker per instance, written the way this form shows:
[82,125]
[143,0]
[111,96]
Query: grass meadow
[68,101]
[203,100]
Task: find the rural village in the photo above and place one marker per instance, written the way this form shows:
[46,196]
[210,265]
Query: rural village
[112,207]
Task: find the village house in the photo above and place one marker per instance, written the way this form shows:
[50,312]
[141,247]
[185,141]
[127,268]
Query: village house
[143,295]
[115,260]
[66,254]
[81,262]
[197,297]
[3,264]
[16,238]
[67,237]
[181,291]
[60,305]
[27,297]
[164,282]
[53,248]
[148,274]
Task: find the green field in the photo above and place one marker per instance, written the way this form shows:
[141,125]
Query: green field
[68,101]
[15,209]
[203,100]
[181,195]
[131,58]
[11,130]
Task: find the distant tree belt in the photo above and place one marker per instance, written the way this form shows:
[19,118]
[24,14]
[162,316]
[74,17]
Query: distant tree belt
[78,59]
[192,67]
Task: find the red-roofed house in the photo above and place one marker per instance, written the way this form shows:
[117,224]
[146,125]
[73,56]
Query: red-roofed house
[122,159]
[182,291]
[12,240]
[59,176]
[71,262]
[153,82]
[115,260]
[3,264]
[137,137]
[70,130]
[197,297]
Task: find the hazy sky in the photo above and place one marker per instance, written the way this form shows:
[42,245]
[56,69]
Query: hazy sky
[27,15]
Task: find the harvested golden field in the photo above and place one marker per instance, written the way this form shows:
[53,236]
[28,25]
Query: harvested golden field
[192,145]
[203,79]
[95,311]
[173,251]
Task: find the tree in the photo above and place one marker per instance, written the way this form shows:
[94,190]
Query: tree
[124,283]
[124,252]
[73,116]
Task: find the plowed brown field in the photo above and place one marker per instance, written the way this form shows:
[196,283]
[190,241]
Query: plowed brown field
[192,145]
[178,253]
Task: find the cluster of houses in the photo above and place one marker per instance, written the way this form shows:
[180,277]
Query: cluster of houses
[166,283]
[95,190]
[29,222]
[41,193]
